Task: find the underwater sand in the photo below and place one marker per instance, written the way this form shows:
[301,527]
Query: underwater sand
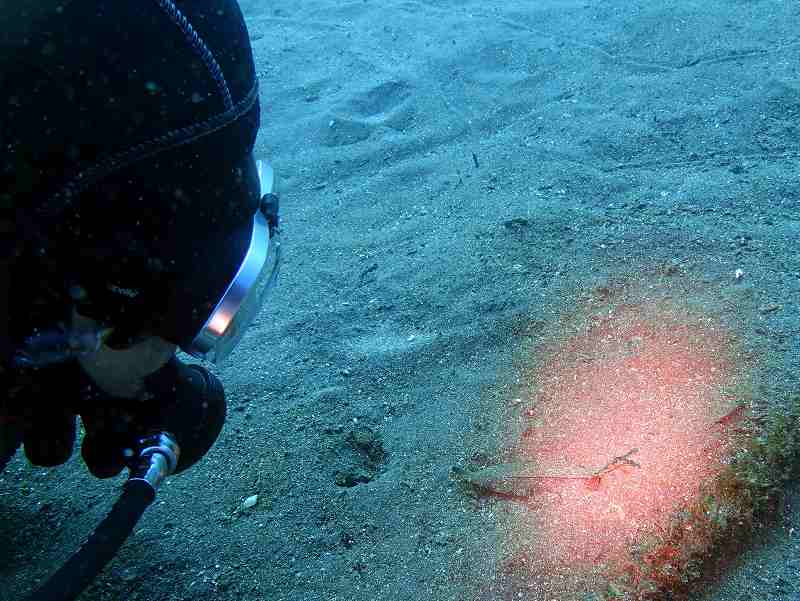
[455,177]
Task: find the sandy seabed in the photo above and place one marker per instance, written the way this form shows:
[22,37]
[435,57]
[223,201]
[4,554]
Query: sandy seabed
[456,176]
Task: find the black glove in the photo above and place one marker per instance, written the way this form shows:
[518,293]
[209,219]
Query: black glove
[185,400]
[36,411]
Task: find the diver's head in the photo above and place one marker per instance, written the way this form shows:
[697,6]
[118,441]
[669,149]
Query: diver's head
[139,219]
[128,178]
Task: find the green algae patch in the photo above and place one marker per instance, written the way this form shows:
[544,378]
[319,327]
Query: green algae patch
[635,467]
[669,558]
[703,537]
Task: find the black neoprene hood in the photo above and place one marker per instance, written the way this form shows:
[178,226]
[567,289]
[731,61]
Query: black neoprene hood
[127,130]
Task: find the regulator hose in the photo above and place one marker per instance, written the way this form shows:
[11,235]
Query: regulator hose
[157,459]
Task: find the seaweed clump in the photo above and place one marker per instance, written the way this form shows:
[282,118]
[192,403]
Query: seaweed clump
[702,538]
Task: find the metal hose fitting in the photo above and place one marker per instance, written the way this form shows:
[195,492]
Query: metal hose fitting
[157,459]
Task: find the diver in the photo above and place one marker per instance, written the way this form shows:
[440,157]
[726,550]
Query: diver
[134,219]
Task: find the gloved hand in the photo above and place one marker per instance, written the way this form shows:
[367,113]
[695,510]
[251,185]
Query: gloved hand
[38,413]
[185,400]
[57,376]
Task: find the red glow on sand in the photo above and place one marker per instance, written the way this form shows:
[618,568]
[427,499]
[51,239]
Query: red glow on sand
[624,431]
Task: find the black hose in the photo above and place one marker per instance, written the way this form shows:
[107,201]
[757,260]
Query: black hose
[76,574]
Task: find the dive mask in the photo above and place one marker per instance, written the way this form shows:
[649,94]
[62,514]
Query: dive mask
[256,275]
[226,323]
